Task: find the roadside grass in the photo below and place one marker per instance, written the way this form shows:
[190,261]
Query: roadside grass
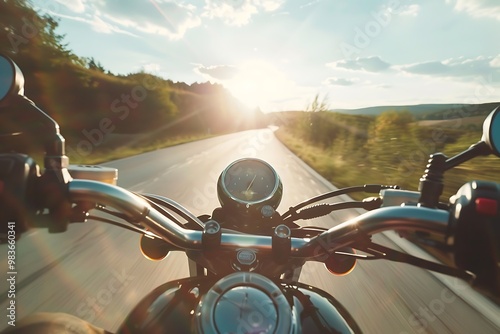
[327,163]
[360,169]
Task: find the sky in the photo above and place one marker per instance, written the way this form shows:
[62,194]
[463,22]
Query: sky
[279,54]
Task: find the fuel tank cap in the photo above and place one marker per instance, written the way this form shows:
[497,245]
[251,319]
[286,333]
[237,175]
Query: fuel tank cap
[244,302]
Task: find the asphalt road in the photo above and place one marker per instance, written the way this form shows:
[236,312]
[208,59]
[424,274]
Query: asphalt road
[96,271]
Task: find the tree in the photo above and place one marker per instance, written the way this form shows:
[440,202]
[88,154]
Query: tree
[92,64]
[314,125]
[391,142]
[31,38]
[317,106]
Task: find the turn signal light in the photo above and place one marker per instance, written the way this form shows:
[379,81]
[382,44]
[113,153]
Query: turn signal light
[341,263]
[154,249]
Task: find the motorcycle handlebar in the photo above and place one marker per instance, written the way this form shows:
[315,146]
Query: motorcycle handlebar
[140,211]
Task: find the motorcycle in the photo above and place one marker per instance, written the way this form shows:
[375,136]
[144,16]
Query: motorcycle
[245,258]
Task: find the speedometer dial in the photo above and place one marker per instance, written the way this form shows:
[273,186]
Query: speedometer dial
[249,183]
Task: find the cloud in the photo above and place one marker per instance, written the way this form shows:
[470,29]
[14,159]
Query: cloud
[462,68]
[457,67]
[77,6]
[96,24]
[430,67]
[479,74]
[478,8]
[397,8]
[269,5]
[158,17]
[495,62]
[333,81]
[162,18]
[151,67]
[310,3]
[219,72]
[410,10]
[238,12]
[100,26]
[368,64]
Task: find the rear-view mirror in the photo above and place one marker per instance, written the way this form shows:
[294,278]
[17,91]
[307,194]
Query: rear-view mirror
[491,131]
[11,79]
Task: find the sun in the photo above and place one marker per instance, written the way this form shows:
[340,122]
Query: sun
[259,83]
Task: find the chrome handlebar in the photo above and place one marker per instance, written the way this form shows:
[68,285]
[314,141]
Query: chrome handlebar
[401,218]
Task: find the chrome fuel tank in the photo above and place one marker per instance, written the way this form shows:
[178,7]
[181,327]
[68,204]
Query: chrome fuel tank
[238,303]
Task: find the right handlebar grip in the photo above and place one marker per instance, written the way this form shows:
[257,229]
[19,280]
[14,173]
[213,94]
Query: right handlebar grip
[475,226]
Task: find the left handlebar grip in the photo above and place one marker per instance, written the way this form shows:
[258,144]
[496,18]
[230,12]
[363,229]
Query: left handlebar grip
[18,177]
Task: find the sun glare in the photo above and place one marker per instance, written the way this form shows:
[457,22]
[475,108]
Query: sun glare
[259,84]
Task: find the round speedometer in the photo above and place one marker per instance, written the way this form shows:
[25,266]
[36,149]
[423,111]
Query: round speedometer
[250,184]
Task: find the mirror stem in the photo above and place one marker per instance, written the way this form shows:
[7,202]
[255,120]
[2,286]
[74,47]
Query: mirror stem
[478,149]
[431,183]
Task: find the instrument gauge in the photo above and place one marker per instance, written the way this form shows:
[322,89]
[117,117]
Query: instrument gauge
[249,184]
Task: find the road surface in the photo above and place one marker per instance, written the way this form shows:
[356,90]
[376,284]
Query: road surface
[96,271]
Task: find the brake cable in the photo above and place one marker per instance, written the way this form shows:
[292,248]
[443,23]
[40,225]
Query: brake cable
[325,209]
[123,225]
[381,252]
[367,188]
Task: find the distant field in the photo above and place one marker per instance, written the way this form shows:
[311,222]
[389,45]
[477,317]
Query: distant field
[454,123]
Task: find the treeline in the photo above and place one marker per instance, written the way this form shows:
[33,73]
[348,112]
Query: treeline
[390,148]
[84,97]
